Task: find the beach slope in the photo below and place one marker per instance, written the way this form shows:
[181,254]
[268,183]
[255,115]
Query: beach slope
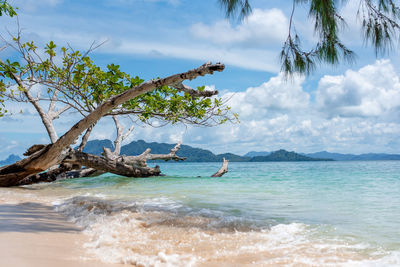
[33,234]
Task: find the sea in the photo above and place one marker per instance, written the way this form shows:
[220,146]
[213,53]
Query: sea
[338,213]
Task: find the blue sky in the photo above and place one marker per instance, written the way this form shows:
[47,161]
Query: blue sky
[347,108]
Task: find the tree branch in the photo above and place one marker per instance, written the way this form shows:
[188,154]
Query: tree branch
[113,166]
[223,170]
[141,159]
[60,111]
[56,152]
[193,92]
[85,138]
[118,139]
[47,121]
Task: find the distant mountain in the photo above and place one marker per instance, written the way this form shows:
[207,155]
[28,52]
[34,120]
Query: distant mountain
[232,157]
[256,154]
[325,154]
[202,155]
[96,146]
[369,156]
[10,160]
[283,155]
[192,154]
[375,156]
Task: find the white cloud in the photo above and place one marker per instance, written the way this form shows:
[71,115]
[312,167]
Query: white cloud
[261,28]
[363,106]
[249,59]
[370,91]
[276,94]
[280,114]
[259,38]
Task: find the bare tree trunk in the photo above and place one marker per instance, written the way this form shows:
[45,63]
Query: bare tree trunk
[121,136]
[85,138]
[141,160]
[47,118]
[113,166]
[131,166]
[64,171]
[223,170]
[53,154]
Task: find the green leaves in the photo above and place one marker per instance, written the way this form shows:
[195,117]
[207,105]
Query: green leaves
[8,67]
[2,92]
[49,49]
[78,82]
[379,25]
[233,6]
[329,49]
[7,9]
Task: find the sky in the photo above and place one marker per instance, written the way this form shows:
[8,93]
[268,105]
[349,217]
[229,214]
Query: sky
[346,108]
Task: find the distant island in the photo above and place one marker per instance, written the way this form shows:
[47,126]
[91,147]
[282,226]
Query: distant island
[10,160]
[202,155]
[283,155]
[193,154]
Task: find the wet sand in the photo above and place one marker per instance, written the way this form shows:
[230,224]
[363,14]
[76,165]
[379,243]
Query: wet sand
[33,234]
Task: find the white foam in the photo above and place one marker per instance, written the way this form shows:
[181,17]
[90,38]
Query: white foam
[150,233]
[391,259]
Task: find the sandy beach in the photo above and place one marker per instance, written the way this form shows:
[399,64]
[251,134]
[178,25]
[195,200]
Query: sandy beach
[33,234]
[312,214]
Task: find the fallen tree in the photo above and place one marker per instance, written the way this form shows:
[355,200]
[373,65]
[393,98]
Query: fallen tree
[55,153]
[79,85]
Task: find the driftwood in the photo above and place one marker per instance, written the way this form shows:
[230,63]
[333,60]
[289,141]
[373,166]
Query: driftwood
[130,166]
[64,171]
[141,160]
[223,170]
[33,149]
[121,136]
[56,152]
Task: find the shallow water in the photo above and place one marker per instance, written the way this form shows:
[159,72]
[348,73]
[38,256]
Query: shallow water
[299,213]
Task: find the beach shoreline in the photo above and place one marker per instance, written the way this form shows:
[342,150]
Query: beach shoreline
[33,234]
[311,214]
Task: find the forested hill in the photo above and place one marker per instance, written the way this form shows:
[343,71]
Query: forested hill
[192,154]
[368,156]
[10,160]
[202,155]
[137,147]
[283,155]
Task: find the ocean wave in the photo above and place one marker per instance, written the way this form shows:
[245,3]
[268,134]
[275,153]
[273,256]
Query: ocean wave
[163,232]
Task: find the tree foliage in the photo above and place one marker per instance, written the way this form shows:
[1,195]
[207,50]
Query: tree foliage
[7,9]
[71,78]
[379,25]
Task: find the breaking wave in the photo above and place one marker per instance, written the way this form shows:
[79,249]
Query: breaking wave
[163,232]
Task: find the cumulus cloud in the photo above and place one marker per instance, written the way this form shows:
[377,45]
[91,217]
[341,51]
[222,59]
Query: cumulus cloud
[259,38]
[248,59]
[277,94]
[280,114]
[371,91]
[261,28]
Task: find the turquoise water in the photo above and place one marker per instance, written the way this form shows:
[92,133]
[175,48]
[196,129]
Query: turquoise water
[347,211]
